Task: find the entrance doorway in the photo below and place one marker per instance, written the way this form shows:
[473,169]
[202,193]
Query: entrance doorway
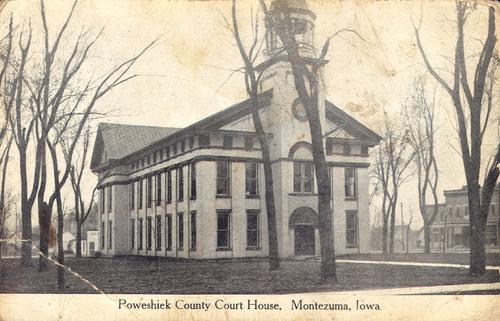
[304,240]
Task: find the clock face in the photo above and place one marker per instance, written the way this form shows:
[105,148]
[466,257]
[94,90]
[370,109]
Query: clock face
[298,110]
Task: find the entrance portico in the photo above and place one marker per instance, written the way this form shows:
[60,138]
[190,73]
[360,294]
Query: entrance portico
[304,234]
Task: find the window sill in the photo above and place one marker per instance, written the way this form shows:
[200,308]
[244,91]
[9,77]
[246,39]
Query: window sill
[350,199]
[251,196]
[192,198]
[254,248]
[169,249]
[192,250]
[351,246]
[223,249]
[302,194]
[222,196]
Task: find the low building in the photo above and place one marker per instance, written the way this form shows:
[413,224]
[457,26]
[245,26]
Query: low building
[198,192]
[452,227]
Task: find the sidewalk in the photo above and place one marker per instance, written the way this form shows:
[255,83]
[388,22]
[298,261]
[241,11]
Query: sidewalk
[437,289]
[460,266]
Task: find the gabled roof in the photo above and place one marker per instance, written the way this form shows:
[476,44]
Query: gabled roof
[119,140]
[337,115]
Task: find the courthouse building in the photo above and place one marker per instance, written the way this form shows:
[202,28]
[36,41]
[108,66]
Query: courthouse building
[198,192]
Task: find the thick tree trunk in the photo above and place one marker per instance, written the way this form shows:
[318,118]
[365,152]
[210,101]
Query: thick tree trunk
[392,227]
[274,263]
[477,257]
[427,237]
[78,238]
[26,259]
[328,267]
[60,246]
[44,218]
[385,232]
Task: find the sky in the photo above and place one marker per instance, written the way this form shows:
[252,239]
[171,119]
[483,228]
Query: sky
[188,74]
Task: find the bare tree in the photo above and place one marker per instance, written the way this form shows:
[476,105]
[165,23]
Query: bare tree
[419,114]
[5,197]
[252,79]
[82,211]
[391,170]
[472,116]
[307,83]
[50,102]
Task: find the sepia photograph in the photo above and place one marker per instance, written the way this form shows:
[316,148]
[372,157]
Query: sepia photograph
[249,159]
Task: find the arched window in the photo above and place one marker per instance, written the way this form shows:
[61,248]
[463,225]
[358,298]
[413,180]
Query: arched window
[303,169]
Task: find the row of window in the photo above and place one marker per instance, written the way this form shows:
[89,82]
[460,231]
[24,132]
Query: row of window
[346,149]
[223,184]
[170,151]
[156,196]
[183,146]
[223,231]
[303,182]
[460,212]
[303,178]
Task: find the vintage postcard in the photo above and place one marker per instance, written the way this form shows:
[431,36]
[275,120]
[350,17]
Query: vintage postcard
[249,160]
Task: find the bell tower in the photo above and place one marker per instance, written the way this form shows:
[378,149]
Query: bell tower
[286,118]
[303,28]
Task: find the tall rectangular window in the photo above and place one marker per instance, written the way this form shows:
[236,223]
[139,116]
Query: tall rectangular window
[132,195]
[351,228]
[350,182]
[168,225]
[140,197]
[110,234]
[149,191]
[227,141]
[329,147]
[169,187]
[193,231]
[180,182]
[180,231]
[193,181]
[158,189]
[346,149]
[183,146]
[204,140]
[158,232]
[149,234]
[102,199]
[191,142]
[103,232]
[223,187]
[303,177]
[141,236]
[223,229]
[253,233]
[132,233]
[251,179]
[249,142]
[110,198]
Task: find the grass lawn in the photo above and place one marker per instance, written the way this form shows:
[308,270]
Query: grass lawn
[146,275]
[453,258]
